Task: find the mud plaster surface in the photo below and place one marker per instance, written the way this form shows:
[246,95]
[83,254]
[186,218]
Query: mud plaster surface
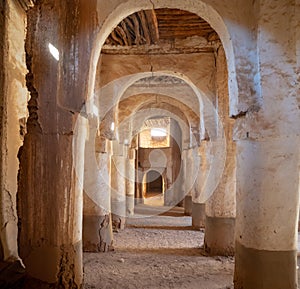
[158,252]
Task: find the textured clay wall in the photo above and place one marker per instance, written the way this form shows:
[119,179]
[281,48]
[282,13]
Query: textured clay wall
[2,46]
[13,117]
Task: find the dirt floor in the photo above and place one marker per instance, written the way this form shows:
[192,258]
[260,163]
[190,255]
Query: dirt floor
[158,252]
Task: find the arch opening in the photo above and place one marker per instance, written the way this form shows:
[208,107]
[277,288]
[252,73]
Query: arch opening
[201,9]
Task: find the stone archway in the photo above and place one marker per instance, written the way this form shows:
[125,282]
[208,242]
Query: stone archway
[202,9]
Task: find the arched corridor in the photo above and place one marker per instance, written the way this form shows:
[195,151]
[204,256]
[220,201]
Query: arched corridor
[187,111]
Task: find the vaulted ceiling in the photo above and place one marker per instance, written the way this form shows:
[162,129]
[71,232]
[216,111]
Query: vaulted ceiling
[151,27]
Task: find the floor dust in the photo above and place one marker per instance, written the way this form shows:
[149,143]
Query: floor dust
[158,252]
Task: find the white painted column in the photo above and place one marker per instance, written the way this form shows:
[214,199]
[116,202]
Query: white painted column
[118,186]
[267,212]
[221,209]
[221,206]
[97,224]
[268,159]
[130,182]
[191,167]
[178,187]
[198,197]
[187,197]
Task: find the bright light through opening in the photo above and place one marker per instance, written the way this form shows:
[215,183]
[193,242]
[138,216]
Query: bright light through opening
[112,126]
[54,51]
[158,132]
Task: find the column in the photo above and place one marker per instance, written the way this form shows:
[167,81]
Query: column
[50,202]
[221,206]
[97,223]
[179,187]
[198,215]
[188,205]
[138,177]
[268,159]
[130,182]
[221,210]
[52,157]
[118,186]
[189,166]
[198,197]
[267,212]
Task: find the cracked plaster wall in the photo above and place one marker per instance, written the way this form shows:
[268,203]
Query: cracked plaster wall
[13,117]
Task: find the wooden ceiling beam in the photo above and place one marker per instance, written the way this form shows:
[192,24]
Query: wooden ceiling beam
[182,22]
[122,35]
[181,35]
[168,11]
[152,24]
[149,26]
[130,27]
[128,35]
[116,39]
[188,31]
[172,16]
[145,27]
[188,26]
[129,22]
[136,29]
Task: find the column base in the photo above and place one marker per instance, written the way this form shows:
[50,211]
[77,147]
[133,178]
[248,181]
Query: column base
[118,222]
[118,215]
[54,266]
[12,274]
[138,201]
[129,205]
[219,236]
[97,234]
[169,198]
[262,269]
[32,283]
[188,205]
[198,216]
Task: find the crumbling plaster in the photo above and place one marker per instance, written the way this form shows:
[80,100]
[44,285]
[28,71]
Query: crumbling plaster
[14,114]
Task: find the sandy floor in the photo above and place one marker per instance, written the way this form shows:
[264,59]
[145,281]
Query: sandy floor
[158,252]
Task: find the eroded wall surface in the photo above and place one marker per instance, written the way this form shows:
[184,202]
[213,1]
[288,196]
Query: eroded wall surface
[13,117]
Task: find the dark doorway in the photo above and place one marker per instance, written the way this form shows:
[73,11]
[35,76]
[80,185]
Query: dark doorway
[154,184]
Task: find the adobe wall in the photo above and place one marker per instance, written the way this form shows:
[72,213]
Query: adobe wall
[13,117]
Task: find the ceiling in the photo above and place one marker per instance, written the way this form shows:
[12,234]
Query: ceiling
[152,27]
[158,122]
